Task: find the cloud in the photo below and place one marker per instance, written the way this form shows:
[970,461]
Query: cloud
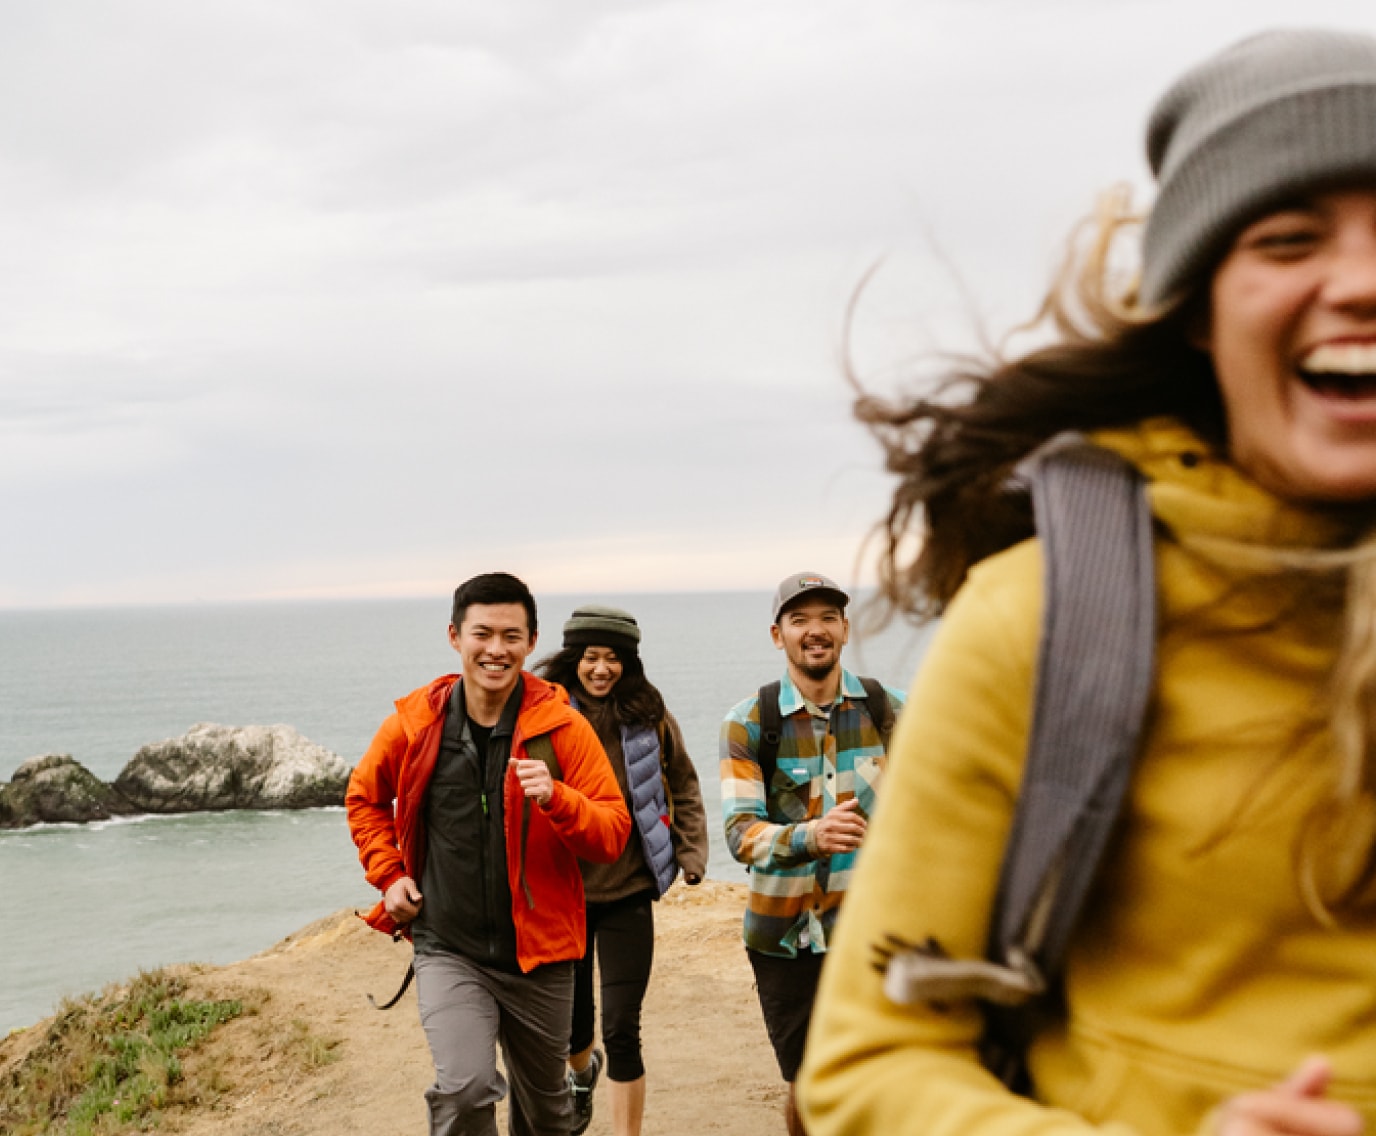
[340,296]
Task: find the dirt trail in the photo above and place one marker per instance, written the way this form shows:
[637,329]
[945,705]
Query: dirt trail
[709,1065]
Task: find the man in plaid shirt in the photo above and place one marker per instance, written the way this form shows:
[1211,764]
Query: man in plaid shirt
[800,835]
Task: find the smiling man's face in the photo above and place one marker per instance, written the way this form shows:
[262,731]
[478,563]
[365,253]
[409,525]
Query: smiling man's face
[494,643]
[811,632]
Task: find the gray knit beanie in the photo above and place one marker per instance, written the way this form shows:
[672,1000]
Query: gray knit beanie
[1279,115]
[598,625]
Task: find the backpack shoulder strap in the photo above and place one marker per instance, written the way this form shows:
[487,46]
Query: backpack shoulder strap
[1095,667]
[879,707]
[771,732]
[540,748]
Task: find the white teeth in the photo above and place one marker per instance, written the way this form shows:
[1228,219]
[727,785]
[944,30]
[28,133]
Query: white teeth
[1341,359]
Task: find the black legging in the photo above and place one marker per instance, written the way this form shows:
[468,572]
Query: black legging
[624,934]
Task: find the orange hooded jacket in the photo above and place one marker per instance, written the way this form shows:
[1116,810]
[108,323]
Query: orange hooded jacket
[586,817]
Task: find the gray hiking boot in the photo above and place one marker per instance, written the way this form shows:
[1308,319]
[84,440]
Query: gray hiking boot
[581,1086]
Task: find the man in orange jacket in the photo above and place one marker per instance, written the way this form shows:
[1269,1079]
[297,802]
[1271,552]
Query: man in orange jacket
[471,810]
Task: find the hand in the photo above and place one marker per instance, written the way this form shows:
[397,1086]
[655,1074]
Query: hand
[842,829]
[536,783]
[1295,1107]
[402,900]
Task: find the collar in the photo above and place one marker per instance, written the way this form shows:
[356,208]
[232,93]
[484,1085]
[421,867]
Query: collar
[1196,490]
[791,701]
[506,721]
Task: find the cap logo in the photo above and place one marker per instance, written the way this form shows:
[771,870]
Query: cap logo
[811,582]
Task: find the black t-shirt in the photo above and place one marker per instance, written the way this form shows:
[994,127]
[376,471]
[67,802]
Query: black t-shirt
[481,735]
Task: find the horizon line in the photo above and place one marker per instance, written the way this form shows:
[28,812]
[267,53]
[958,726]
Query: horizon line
[270,600]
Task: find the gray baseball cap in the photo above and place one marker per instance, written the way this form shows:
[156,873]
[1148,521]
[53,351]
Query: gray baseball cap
[801,583]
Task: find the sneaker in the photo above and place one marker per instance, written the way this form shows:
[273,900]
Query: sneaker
[581,1092]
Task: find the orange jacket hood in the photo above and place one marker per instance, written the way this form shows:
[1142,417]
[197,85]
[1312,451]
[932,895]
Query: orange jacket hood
[544,705]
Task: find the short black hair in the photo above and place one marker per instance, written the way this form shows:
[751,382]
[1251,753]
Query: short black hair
[493,588]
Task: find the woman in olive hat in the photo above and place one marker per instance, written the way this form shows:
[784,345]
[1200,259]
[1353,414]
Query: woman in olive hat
[601,669]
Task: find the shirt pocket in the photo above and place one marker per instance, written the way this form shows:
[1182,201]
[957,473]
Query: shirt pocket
[864,784]
[790,792]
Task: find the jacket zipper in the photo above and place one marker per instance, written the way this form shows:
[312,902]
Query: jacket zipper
[489,890]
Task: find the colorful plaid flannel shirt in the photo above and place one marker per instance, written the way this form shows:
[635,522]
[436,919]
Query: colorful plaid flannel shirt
[795,891]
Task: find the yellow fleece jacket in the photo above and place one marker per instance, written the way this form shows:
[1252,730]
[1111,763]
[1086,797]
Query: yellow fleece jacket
[1197,972]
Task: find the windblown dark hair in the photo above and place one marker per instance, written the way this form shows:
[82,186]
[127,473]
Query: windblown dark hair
[634,699]
[955,451]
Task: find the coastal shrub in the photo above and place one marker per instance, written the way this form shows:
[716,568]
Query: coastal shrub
[108,1060]
[310,1050]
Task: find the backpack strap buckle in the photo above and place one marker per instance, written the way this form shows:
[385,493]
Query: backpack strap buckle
[914,974]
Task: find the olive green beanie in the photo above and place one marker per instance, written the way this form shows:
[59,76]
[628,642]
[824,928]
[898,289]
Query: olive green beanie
[1277,116]
[597,625]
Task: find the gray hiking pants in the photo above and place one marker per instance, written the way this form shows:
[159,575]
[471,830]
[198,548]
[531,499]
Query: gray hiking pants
[466,1010]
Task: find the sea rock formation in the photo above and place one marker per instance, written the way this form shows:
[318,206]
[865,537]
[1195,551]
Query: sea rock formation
[227,767]
[53,789]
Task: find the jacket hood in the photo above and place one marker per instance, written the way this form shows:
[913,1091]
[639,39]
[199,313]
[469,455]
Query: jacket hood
[1195,489]
[544,705]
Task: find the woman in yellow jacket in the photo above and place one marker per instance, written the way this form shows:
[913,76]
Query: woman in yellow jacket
[1223,977]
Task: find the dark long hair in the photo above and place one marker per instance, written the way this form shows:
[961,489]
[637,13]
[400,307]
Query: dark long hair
[955,450]
[634,699]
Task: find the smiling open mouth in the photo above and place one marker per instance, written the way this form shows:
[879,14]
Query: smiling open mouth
[1341,370]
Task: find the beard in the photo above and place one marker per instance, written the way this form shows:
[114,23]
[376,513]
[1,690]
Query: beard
[817,672]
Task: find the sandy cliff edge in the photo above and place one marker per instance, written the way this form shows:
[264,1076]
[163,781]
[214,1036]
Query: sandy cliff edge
[709,1065]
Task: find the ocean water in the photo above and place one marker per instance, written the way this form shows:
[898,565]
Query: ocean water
[89,904]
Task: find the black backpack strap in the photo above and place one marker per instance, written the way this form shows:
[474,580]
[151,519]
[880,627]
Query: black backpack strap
[1095,668]
[771,732]
[405,985]
[877,705]
[879,708]
[538,748]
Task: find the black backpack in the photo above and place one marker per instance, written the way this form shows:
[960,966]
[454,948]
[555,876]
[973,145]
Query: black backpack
[1095,668]
[877,705]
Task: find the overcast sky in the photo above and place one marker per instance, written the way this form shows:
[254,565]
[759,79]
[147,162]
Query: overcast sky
[338,298]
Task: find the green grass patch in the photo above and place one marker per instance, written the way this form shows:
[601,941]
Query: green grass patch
[308,1050]
[110,1060]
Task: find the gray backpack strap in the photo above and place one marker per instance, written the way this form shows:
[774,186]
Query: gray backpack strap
[1095,669]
